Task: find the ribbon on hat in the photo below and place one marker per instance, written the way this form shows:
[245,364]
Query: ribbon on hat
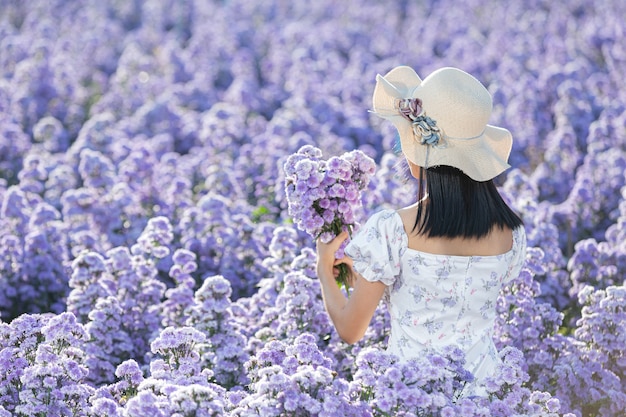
[424,128]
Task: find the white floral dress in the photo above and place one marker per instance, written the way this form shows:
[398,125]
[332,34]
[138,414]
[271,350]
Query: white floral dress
[435,300]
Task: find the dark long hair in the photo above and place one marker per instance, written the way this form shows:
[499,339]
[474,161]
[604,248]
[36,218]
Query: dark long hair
[458,206]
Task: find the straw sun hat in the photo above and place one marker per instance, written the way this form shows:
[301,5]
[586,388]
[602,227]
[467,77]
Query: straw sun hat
[442,120]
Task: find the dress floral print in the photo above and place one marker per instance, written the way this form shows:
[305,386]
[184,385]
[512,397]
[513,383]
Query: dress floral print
[435,300]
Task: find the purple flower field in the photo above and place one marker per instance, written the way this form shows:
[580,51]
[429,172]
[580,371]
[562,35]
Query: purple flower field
[148,263]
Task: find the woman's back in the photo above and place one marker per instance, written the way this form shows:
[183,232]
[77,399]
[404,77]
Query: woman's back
[440,291]
[498,241]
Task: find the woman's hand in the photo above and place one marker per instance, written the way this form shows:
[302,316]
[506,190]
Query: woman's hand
[326,261]
[349,316]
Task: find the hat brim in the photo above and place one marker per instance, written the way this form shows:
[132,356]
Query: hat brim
[400,82]
[481,158]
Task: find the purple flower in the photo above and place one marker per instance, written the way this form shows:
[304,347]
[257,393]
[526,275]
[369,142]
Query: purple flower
[198,399]
[304,168]
[109,119]
[337,191]
[321,194]
[129,370]
[144,404]
[177,342]
[211,316]
[104,407]
[156,238]
[179,298]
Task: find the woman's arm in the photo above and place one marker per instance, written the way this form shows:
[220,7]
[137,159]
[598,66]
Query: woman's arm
[350,316]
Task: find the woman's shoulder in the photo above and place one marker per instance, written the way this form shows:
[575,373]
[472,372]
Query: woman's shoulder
[384,224]
[519,237]
[384,217]
[377,247]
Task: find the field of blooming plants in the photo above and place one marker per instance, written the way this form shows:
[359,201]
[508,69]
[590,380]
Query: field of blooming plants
[149,267]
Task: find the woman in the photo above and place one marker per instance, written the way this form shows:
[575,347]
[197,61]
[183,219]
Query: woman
[441,262]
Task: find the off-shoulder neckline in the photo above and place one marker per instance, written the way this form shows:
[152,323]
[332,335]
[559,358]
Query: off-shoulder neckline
[405,242]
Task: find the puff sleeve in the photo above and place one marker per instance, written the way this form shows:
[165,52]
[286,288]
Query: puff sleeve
[376,248]
[518,254]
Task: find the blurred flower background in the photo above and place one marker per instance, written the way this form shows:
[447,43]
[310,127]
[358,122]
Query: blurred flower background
[149,267]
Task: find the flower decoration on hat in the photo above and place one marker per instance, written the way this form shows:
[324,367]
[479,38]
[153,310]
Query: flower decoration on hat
[424,127]
[402,108]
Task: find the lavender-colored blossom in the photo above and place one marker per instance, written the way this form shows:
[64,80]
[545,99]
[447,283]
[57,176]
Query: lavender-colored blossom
[197,399]
[298,308]
[223,353]
[211,227]
[130,377]
[282,249]
[328,207]
[33,174]
[50,132]
[89,281]
[145,403]
[131,281]
[331,188]
[180,297]
[104,407]
[109,342]
[96,170]
[63,331]
[110,115]
[10,267]
[13,362]
[54,381]
[427,384]
[155,239]
[34,269]
[14,143]
[243,267]
[306,385]
[15,210]
[179,361]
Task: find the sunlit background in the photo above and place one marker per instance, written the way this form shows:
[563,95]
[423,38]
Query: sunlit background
[148,265]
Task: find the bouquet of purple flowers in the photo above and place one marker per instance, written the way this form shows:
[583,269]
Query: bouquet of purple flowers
[323,195]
